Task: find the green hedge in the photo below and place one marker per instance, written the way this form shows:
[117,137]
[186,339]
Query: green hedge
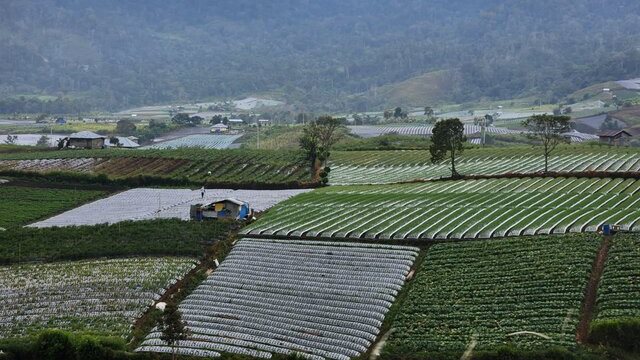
[168,237]
[621,333]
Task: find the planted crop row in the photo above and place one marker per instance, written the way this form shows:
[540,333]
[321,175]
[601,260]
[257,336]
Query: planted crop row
[199,141]
[101,296]
[420,130]
[457,209]
[619,290]
[317,300]
[20,205]
[195,165]
[488,292]
[354,168]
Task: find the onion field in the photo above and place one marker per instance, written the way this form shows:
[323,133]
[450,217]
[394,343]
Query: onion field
[489,292]
[101,296]
[619,291]
[319,300]
[146,204]
[382,167]
[456,209]
[196,141]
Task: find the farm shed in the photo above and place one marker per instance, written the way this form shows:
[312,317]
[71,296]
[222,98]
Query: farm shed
[229,208]
[85,140]
[218,128]
[614,137]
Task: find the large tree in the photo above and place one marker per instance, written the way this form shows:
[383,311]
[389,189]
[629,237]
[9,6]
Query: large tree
[172,328]
[548,130]
[448,138]
[318,137]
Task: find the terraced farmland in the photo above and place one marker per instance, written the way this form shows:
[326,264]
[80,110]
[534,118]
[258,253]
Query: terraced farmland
[382,167]
[226,166]
[488,291]
[146,204]
[20,205]
[319,300]
[456,209]
[619,291]
[197,141]
[101,296]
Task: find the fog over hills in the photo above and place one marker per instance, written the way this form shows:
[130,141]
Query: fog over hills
[330,55]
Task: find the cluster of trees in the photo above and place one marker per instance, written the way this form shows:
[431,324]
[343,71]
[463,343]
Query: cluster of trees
[224,49]
[32,105]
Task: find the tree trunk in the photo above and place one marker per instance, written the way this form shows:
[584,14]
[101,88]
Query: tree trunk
[546,162]
[454,173]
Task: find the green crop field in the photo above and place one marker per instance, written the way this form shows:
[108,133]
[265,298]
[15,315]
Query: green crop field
[380,167]
[485,291]
[21,205]
[456,209]
[184,165]
[619,291]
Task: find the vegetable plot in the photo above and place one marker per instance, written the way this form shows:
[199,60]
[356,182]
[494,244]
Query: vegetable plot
[198,141]
[318,300]
[619,290]
[100,296]
[456,209]
[146,204]
[183,164]
[365,167]
[20,205]
[488,291]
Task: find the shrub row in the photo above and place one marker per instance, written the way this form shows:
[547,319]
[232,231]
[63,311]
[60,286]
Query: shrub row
[621,333]
[168,237]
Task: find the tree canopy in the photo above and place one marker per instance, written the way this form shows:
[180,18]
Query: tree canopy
[548,130]
[448,138]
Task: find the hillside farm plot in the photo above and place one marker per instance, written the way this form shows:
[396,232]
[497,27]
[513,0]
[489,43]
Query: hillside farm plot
[101,296]
[490,290]
[382,167]
[460,209]
[319,300]
[197,165]
[367,131]
[20,205]
[146,204]
[619,290]
[198,141]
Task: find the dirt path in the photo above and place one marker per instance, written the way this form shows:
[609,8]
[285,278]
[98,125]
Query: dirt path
[589,303]
[377,348]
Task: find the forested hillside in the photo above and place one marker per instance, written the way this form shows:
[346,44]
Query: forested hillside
[325,55]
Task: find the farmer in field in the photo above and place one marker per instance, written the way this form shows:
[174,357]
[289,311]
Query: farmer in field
[202,192]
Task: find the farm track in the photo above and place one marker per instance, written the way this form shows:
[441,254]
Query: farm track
[591,293]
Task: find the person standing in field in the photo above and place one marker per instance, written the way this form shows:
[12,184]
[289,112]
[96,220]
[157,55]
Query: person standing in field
[202,192]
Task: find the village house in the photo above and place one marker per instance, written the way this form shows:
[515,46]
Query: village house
[85,140]
[614,137]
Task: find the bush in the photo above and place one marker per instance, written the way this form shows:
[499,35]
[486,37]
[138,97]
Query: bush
[621,333]
[54,345]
